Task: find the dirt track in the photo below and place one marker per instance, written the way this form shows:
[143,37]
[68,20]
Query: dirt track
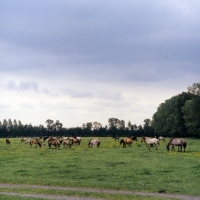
[55,197]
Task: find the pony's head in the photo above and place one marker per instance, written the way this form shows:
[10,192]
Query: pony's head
[167,146]
[89,143]
[121,141]
[98,143]
[142,139]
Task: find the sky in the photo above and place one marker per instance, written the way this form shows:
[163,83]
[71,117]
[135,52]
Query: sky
[85,61]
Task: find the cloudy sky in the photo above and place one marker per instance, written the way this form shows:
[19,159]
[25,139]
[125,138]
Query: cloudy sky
[85,61]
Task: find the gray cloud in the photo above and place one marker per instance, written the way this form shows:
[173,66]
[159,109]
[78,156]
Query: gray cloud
[97,52]
[25,86]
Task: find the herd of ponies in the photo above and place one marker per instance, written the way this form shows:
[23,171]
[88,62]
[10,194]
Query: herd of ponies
[69,141]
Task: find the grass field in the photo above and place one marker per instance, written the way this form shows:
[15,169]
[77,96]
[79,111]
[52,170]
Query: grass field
[107,167]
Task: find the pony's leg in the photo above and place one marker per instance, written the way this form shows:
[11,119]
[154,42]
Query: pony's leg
[180,148]
[156,146]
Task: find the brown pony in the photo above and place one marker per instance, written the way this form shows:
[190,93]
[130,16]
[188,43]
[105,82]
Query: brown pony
[36,142]
[177,142]
[116,138]
[74,140]
[127,141]
[55,142]
[7,141]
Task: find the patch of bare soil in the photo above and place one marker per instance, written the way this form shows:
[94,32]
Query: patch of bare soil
[160,193]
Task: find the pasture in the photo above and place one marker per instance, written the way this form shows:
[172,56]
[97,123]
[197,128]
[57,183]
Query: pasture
[108,167]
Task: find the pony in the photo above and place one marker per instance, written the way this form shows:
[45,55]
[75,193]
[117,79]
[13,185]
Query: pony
[93,143]
[36,142]
[127,141]
[75,140]
[150,141]
[79,138]
[153,139]
[55,142]
[116,138]
[7,141]
[177,142]
[133,138]
[27,141]
[24,139]
[66,142]
[45,138]
[161,138]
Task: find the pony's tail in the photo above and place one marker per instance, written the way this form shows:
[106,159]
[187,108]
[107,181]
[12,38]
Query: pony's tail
[98,144]
[39,143]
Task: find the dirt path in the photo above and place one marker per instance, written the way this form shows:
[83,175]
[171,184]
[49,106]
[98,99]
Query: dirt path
[55,197]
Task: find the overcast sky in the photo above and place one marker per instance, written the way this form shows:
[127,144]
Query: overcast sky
[85,61]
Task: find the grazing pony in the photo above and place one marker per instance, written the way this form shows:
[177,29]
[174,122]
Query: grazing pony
[177,142]
[66,143]
[53,141]
[79,138]
[36,142]
[94,142]
[116,138]
[127,141]
[150,141]
[161,138]
[45,138]
[24,139]
[7,141]
[75,140]
[134,138]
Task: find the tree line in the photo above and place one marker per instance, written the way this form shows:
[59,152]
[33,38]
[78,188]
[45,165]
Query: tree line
[178,116]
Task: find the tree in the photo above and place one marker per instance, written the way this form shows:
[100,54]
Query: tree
[169,118]
[97,125]
[191,111]
[58,125]
[148,130]
[129,125]
[194,88]
[50,125]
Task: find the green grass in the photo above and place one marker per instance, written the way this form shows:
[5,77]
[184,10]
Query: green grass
[107,167]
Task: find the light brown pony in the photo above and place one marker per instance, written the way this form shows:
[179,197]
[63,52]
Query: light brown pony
[150,142]
[66,143]
[36,142]
[7,141]
[24,139]
[74,140]
[94,143]
[127,141]
[177,142]
[55,142]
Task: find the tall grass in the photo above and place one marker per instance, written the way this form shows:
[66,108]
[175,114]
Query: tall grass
[108,167]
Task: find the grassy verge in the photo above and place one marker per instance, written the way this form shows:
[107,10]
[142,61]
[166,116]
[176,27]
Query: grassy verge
[107,167]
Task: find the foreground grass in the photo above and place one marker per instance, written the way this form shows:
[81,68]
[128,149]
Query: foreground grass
[108,167]
[8,197]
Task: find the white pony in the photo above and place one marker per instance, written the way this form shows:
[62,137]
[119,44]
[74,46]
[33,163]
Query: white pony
[161,138]
[79,138]
[94,142]
[150,141]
